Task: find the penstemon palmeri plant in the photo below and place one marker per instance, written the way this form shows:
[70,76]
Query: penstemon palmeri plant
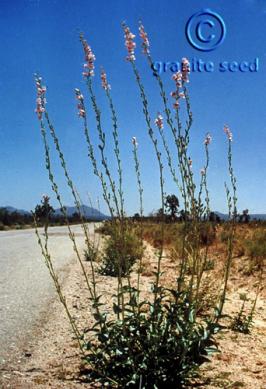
[148,342]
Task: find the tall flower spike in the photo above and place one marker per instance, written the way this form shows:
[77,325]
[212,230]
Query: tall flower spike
[105,84]
[89,59]
[41,100]
[228,133]
[145,41]
[129,43]
[159,121]
[177,77]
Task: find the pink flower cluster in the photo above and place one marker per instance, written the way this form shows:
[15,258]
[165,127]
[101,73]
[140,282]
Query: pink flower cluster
[89,58]
[145,41]
[134,141]
[130,44]
[207,140]
[105,84]
[228,133]
[159,121]
[180,77]
[81,107]
[177,77]
[41,100]
[185,69]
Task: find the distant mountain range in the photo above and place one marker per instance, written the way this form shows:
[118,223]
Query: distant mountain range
[88,212]
[12,209]
[95,214]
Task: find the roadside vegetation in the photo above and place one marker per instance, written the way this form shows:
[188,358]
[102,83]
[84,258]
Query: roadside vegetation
[159,335]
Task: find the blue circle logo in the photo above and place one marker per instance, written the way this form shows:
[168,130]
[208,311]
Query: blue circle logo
[205,30]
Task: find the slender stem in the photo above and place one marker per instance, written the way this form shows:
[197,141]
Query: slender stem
[140,190]
[159,159]
[101,146]
[48,262]
[75,196]
[232,215]
[116,149]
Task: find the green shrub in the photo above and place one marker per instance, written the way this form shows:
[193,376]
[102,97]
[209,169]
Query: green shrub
[105,228]
[156,350]
[90,253]
[243,321]
[256,249]
[122,249]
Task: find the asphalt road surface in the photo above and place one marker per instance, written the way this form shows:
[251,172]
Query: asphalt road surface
[25,284]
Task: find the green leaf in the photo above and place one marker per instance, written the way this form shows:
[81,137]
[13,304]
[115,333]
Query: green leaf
[116,308]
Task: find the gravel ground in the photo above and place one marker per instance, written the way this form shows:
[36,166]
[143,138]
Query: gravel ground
[26,290]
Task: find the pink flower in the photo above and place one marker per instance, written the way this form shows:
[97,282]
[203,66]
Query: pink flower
[228,133]
[176,105]
[185,69]
[129,43]
[202,171]
[134,141]
[159,121]
[177,77]
[41,100]
[105,84]
[89,58]
[145,41]
[208,139]
[81,107]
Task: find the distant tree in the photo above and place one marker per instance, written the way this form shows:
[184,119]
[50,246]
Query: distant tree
[136,217]
[245,217]
[75,217]
[8,218]
[213,217]
[44,211]
[172,205]
[5,216]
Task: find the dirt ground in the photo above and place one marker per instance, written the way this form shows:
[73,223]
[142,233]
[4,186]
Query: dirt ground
[53,358]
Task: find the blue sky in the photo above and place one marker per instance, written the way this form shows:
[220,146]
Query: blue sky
[38,35]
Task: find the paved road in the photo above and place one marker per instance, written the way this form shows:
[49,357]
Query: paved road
[25,285]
